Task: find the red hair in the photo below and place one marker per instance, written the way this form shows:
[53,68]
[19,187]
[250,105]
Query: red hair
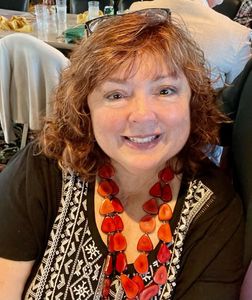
[67,135]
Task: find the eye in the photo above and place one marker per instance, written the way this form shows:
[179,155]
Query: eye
[167,91]
[114,96]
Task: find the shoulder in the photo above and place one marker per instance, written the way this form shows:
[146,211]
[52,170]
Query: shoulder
[224,200]
[29,173]
[28,160]
[216,180]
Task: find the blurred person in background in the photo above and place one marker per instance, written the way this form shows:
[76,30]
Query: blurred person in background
[244,14]
[225,43]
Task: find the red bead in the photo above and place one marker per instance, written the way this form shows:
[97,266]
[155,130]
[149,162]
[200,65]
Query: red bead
[160,276]
[166,193]
[164,233]
[141,264]
[129,286]
[155,191]
[164,254]
[166,175]
[165,212]
[120,243]
[106,171]
[115,188]
[108,225]
[121,262]
[106,207]
[147,224]
[106,287]
[110,243]
[105,189]
[118,207]
[108,265]
[144,244]
[151,206]
[139,281]
[118,223]
[149,292]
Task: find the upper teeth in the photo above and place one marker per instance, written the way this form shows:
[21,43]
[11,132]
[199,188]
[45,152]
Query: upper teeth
[142,140]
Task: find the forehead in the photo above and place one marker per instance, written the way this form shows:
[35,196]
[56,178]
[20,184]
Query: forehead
[147,66]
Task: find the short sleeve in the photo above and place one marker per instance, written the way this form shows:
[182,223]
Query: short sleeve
[29,192]
[242,54]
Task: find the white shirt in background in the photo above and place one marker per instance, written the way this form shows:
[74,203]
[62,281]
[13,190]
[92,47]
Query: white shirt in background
[225,43]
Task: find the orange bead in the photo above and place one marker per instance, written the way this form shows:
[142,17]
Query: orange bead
[121,262]
[139,281]
[164,233]
[130,287]
[147,224]
[165,212]
[141,264]
[108,225]
[119,241]
[144,244]
[106,207]
[105,188]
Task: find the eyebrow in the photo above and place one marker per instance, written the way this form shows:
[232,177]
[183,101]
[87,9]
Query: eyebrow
[155,78]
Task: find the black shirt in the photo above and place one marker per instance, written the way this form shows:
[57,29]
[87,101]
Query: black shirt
[30,196]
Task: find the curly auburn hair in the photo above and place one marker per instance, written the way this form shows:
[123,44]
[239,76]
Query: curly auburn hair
[67,135]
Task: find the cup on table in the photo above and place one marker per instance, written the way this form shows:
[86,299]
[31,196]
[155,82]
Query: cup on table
[93,9]
[41,14]
[41,21]
[61,8]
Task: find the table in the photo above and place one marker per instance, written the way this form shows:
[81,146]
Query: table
[52,34]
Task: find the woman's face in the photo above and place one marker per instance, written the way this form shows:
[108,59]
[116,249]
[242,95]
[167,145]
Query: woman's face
[144,120]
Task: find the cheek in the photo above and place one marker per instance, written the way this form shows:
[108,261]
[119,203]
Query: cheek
[106,123]
[179,118]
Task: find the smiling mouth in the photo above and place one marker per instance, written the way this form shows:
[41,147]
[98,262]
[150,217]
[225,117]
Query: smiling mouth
[143,140]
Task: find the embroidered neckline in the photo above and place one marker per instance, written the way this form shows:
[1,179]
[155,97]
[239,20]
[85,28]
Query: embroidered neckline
[56,270]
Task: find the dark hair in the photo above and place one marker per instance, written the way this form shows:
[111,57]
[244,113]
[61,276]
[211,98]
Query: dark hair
[67,135]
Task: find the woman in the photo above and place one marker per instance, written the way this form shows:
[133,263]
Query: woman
[117,199]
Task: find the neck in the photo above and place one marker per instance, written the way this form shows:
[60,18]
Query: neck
[134,183]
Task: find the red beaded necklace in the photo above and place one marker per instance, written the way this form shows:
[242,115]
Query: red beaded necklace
[113,226]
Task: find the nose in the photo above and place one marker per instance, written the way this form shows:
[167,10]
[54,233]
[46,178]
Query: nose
[142,110]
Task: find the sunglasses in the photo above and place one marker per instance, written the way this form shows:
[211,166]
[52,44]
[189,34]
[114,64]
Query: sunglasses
[154,15]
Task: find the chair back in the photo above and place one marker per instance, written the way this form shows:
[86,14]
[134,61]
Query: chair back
[30,70]
[229,8]
[21,5]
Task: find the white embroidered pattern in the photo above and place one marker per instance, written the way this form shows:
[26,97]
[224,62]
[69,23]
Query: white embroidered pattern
[72,264]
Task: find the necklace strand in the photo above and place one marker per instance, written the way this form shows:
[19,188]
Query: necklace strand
[112,225]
